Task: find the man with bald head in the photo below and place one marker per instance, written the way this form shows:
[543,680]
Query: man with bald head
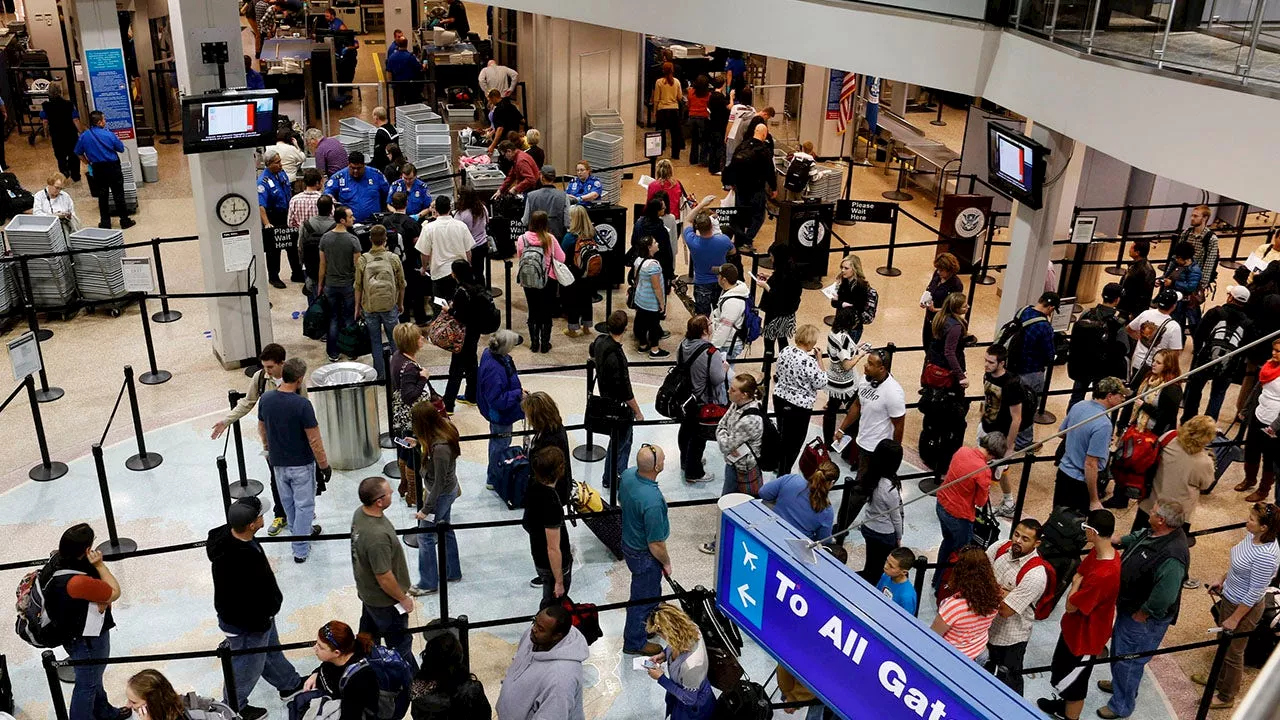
[752,177]
[644,543]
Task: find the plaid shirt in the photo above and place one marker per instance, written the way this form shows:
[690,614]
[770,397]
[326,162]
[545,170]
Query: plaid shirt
[1022,596]
[303,207]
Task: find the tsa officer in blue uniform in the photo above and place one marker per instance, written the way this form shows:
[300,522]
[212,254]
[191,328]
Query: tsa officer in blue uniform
[362,189]
[274,194]
[100,149]
[406,72]
[584,186]
[409,184]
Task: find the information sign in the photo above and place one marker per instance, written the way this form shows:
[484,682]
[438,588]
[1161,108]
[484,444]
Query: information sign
[110,89]
[867,211]
[24,355]
[137,274]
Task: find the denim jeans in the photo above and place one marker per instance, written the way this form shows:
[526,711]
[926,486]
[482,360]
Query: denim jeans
[618,457]
[1035,382]
[705,297]
[389,625]
[297,486]
[1195,388]
[342,308]
[646,582]
[272,666]
[548,579]
[376,322]
[88,698]
[730,484]
[497,446]
[428,572]
[1131,636]
[956,533]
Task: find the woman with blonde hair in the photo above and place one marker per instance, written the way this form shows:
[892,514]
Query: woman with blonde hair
[54,201]
[689,695]
[798,376]
[740,434]
[944,364]
[532,138]
[408,381]
[436,439]
[575,299]
[151,696]
[804,502]
[667,185]
[853,292]
[1183,471]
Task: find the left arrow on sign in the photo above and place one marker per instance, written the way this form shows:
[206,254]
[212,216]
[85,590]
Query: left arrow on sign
[748,557]
[745,596]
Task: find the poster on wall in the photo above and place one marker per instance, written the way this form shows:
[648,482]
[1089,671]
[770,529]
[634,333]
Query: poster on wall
[834,84]
[109,87]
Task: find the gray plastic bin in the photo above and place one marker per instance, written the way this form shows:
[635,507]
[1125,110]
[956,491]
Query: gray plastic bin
[348,417]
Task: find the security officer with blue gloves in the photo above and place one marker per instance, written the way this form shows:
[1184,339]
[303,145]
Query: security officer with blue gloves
[100,149]
[416,190]
[362,189]
[274,193]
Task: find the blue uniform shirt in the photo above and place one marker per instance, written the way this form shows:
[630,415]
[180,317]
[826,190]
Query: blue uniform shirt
[253,80]
[402,65]
[419,196]
[578,188]
[99,145]
[274,191]
[365,197]
[337,24]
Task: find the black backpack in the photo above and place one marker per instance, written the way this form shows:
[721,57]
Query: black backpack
[676,398]
[747,701]
[1061,544]
[482,311]
[1226,335]
[770,442]
[1012,337]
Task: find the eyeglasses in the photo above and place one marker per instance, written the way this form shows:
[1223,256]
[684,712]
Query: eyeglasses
[651,449]
[1086,526]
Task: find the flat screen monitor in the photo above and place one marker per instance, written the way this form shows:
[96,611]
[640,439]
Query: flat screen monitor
[230,120]
[1016,165]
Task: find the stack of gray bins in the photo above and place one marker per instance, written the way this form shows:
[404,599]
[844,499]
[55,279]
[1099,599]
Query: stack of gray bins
[825,183]
[9,298]
[98,273]
[603,149]
[608,121]
[437,173]
[53,280]
[356,135]
[130,184]
[423,133]
[484,178]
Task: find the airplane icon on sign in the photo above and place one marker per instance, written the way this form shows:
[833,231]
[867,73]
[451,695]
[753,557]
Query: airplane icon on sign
[748,557]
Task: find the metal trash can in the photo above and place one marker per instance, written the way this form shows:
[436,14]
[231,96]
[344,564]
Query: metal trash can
[348,417]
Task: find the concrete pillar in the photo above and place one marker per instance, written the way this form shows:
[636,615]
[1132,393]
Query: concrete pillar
[398,15]
[1032,231]
[215,175]
[99,28]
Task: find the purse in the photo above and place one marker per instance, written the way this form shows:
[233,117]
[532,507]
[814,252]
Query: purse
[606,414]
[586,499]
[445,332]
[937,377]
[564,275]
[813,456]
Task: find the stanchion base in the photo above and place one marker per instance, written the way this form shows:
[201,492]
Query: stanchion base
[249,371]
[897,195]
[829,320]
[602,328]
[811,284]
[121,545]
[598,298]
[939,123]
[44,334]
[588,453]
[986,280]
[47,396]
[411,540]
[1230,265]
[40,473]
[384,441]
[1116,271]
[251,488]
[167,317]
[66,674]
[844,223]
[1044,417]
[887,271]
[392,470]
[928,485]
[158,377]
[495,293]
[142,462]
[168,141]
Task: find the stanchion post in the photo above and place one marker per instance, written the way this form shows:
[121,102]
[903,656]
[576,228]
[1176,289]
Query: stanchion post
[602,327]
[143,460]
[1118,268]
[1215,670]
[45,393]
[983,277]
[245,487]
[1231,263]
[115,544]
[47,469]
[506,269]
[590,451]
[254,322]
[921,562]
[443,567]
[165,315]
[55,685]
[888,270]
[766,368]
[154,376]
[1021,500]
[228,674]
[1043,416]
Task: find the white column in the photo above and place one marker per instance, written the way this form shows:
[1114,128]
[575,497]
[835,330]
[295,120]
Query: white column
[215,175]
[1032,231]
[100,34]
[398,15]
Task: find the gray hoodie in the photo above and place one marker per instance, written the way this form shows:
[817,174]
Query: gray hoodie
[711,389]
[544,685]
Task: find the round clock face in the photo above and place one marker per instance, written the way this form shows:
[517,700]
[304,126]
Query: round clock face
[233,209]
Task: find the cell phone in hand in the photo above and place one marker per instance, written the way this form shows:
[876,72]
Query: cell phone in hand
[403,442]
[864,348]
[650,665]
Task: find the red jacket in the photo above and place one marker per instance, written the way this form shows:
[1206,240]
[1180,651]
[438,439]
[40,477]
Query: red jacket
[524,174]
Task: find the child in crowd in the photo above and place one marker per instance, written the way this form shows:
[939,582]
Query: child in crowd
[895,583]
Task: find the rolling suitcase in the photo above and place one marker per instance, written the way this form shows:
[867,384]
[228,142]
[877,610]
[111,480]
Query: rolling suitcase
[513,478]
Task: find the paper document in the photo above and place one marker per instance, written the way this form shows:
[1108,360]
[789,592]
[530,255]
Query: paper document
[830,291]
[94,619]
[638,663]
[842,443]
[738,454]
[644,181]
[401,609]
[440,301]
[1254,263]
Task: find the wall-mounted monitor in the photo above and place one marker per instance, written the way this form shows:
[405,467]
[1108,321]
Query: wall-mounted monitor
[228,120]
[1016,164]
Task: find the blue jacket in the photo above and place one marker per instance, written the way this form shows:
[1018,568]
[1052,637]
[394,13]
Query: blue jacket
[1037,344]
[500,390]
[1187,281]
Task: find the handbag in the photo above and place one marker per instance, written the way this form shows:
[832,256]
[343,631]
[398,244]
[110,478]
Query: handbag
[445,332]
[749,481]
[937,377]
[353,340]
[607,414]
[986,526]
[813,456]
[586,499]
[709,418]
[564,275]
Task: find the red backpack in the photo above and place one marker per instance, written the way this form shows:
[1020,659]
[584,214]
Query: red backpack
[1135,459]
[1044,606]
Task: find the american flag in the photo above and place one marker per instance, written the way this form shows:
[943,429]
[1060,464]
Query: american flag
[847,91]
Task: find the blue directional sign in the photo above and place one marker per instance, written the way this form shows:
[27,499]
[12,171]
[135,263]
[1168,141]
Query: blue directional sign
[861,654]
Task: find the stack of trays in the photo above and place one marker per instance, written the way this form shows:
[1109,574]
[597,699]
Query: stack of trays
[604,121]
[98,273]
[130,185]
[603,149]
[53,282]
[437,173]
[423,133]
[8,288]
[484,177]
[356,135]
[824,183]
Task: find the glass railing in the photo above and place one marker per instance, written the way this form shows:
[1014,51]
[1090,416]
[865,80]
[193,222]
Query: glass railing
[1236,41]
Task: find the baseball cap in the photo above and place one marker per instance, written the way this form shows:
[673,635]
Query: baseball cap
[243,512]
[1239,292]
[1167,298]
[1108,385]
[1111,292]
[549,170]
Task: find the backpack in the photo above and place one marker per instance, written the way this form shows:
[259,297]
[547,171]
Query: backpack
[512,479]
[585,617]
[486,316]
[203,708]
[315,321]
[873,303]
[751,327]
[1044,606]
[770,441]
[1012,337]
[587,257]
[394,678]
[1226,336]
[1088,338]
[745,701]
[633,278]
[532,271]
[379,292]
[34,625]
[676,398]
[1134,459]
